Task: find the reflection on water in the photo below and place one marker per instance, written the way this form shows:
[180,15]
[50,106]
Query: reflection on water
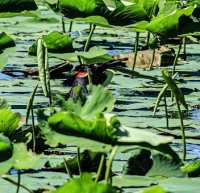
[195,114]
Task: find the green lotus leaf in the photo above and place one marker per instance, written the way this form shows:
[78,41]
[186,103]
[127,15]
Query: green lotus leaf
[6,41]
[6,148]
[21,159]
[124,15]
[85,184]
[96,19]
[115,12]
[165,167]
[5,55]
[192,169]
[154,189]
[169,25]
[56,43]
[17,5]
[78,8]
[9,121]
[71,124]
[95,55]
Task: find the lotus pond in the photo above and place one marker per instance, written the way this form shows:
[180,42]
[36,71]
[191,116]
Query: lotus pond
[99,96]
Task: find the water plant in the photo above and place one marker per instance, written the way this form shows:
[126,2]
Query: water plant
[90,120]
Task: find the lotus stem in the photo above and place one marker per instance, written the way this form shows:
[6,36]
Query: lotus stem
[63,24]
[176,58]
[100,168]
[47,73]
[182,129]
[70,27]
[184,49]
[148,39]
[33,130]
[153,58]
[109,164]
[16,184]
[67,169]
[18,181]
[89,37]
[30,103]
[136,49]
[79,160]
[166,112]
[89,76]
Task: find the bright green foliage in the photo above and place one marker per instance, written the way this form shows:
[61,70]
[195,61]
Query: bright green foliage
[17,5]
[95,55]
[168,25]
[85,184]
[125,15]
[71,124]
[9,121]
[5,41]
[192,169]
[56,43]
[78,8]
[154,189]
[100,100]
[6,148]
[21,159]
[88,121]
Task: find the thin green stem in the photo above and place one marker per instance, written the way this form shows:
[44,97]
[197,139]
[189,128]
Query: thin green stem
[79,160]
[176,58]
[153,58]
[33,130]
[136,49]
[166,112]
[16,184]
[67,168]
[100,168]
[184,49]
[18,181]
[109,164]
[148,39]
[70,27]
[89,37]
[63,24]
[182,129]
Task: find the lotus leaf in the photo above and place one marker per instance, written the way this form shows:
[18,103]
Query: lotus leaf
[9,121]
[71,124]
[169,25]
[6,148]
[85,184]
[95,55]
[78,8]
[154,189]
[6,41]
[21,159]
[56,43]
[192,169]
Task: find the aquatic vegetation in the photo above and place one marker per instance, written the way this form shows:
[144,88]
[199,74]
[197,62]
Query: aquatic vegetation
[56,43]
[85,121]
